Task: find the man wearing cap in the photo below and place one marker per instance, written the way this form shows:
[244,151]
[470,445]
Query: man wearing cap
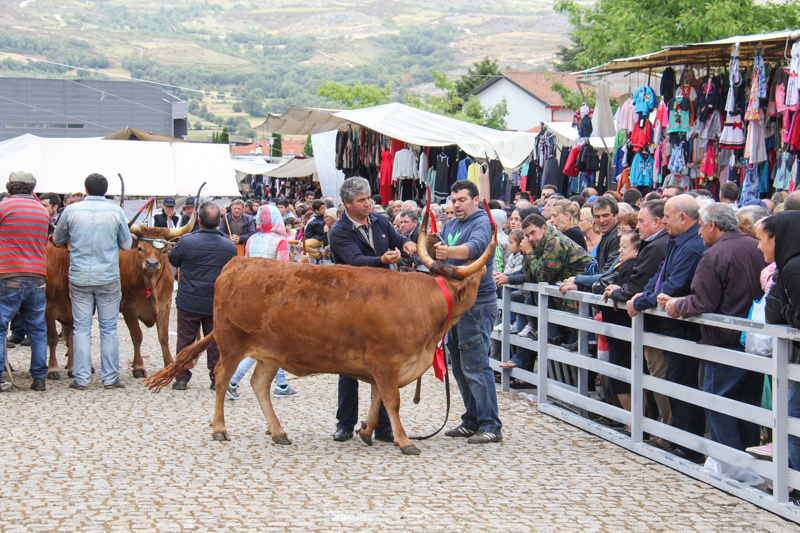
[23,241]
[167,218]
[186,214]
[97,231]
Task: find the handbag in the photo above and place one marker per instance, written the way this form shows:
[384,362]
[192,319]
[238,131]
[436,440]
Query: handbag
[756,343]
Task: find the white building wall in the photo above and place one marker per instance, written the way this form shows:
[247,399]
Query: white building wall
[524,111]
[563,115]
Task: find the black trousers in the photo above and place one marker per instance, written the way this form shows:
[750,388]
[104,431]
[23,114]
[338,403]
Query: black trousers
[188,324]
[347,414]
[683,370]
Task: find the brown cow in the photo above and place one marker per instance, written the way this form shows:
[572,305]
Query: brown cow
[362,313]
[59,306]
[147,284]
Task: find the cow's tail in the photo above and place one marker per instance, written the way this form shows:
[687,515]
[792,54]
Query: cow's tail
[186,359]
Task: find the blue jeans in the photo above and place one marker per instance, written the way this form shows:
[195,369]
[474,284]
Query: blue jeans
[736,384]
[25,295]
[84,299]
[244,366]
[794,412]
[17,326]
[468,343]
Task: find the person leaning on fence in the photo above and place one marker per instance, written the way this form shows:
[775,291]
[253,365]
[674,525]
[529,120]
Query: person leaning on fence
[269,242]
[782,307]
[674,278]
[605,211]
[652,250]
[726,282]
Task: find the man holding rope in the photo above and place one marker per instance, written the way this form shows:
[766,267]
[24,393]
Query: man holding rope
[465,238]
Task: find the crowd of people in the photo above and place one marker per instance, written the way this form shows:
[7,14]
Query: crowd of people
[679,250]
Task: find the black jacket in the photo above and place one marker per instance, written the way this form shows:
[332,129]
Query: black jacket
[782,302]
[315,229]
[201,257]
[608,250]
[349,247]
[248,227]
[185,220]
[651,254]
[160,221]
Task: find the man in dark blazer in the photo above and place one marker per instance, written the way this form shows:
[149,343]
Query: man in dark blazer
[362,237]
[167,218]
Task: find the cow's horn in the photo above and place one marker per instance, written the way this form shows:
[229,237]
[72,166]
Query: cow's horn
[462,272]
[422,244]
[135,229]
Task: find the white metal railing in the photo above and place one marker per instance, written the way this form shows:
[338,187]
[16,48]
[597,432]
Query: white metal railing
[562,391]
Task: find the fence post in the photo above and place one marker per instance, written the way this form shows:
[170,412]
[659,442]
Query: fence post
[542,349]
[637,371]
[583,349]
[505,347]
[780,419]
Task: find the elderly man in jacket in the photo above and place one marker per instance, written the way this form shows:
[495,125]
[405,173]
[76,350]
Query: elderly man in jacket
[674,278]
[201,256]
[362,238]
[727,281]
[96,231]
[236,224]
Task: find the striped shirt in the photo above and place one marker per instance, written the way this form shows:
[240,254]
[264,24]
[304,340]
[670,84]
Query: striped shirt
[23,237]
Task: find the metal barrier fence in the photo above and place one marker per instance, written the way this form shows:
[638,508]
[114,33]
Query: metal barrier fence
[563,391]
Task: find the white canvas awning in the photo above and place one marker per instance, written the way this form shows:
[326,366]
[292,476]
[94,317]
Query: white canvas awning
[254,165]
[297,167]
[61,165]
[418,127]
[302,121]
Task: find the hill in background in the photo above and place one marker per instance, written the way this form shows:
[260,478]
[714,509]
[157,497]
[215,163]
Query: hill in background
[275,54]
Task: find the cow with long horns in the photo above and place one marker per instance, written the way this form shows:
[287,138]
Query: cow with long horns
[362,328]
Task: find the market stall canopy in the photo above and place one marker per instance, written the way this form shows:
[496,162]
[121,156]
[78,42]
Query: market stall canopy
[297,167]
[133,134]
[418,127]
[254,165]
[712,53]
[567,135]
[61,165]
[302,121]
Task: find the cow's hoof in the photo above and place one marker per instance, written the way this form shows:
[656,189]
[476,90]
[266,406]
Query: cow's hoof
[283,439]
[139,373]
[220,436]
[269,432]
[70,374]
[366,437]
[410,450]
[53,374]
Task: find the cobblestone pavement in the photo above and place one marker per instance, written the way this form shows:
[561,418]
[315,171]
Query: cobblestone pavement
[130,460]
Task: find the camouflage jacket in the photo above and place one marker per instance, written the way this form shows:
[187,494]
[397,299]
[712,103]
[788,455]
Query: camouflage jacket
[554,259]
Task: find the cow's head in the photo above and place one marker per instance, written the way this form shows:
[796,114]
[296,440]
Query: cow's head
[153,244]
[470,273]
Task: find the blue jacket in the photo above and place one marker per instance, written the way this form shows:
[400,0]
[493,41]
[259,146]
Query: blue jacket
[201,257]
[349,247]
[97,231]
[315,229]
[683,255]
[476,234]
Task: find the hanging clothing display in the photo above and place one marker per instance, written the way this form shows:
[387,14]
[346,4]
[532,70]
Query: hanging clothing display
[735,79]
[732,137]
[793,86]
[603,119]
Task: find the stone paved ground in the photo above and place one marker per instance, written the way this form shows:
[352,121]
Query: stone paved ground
[130,460]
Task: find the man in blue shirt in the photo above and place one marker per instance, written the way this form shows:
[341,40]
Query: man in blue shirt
[673,280]
[97,231]
[465,238]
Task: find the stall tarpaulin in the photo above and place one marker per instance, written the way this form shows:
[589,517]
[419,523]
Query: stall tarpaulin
[418,127]
[330,178]
[297,167]
[149,168]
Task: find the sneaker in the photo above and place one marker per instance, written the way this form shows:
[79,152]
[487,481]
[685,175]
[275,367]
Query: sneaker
[533,335]
[74,385]
[460,431]
[525,331]
[233,392]
[483,437]
[13,339]
[116,385]
[288,392]
[761,452]
[498,328]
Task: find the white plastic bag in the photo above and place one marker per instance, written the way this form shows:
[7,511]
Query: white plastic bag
[753,342]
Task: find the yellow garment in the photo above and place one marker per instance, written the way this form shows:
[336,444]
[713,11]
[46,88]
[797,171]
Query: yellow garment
[473,173]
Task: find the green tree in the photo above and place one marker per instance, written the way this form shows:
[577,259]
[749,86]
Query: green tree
[452,105]
[308,148]
[608,29]
[277,148]
[482,71]
[355,96]
[221,137]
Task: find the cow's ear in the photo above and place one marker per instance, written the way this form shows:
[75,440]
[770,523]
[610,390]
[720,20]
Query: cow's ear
[135,240]
[170,246]
[460,292]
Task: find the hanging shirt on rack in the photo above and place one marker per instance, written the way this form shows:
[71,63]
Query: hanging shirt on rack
[681,114]
[405,165]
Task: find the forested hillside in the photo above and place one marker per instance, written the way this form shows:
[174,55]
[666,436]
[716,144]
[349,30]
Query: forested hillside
[272,54]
